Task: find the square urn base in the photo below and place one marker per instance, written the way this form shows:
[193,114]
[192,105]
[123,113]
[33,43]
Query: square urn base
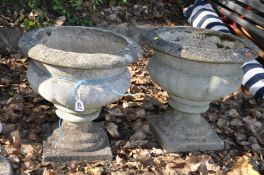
[51,154]
[176,133]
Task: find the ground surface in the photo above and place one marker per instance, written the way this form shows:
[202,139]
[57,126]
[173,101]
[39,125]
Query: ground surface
[238,119]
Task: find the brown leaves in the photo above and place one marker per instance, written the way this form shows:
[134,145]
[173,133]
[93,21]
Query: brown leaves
[193,164]
[32,136]
[157,161]
[243,167]
[28,154]
[237,117]
[49,172]
[5,82]
[23,156]
[139,96]
[93,170]
[112,129]
[16,139]
[138,139]
[133,114]
[141,155]
[29,166]
[14,108]
[151,103]
[115,111]
[30,151]
[60,21]
[119,161]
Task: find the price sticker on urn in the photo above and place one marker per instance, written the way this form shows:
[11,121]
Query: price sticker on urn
[79,107]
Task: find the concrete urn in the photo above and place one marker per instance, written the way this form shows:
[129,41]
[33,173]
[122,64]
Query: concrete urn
[195,66]
[79,70]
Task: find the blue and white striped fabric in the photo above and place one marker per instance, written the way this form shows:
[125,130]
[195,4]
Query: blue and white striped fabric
[253,79]
[202,15]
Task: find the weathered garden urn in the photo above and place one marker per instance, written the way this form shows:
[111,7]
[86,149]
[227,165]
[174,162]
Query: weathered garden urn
[79,70]
[195,66]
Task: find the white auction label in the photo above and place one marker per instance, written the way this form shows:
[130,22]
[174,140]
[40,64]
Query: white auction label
[79,107]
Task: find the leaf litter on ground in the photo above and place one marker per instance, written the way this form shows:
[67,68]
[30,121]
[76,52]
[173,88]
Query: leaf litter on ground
[237,118]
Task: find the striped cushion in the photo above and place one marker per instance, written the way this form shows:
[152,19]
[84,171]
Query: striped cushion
[253,79]
[202,15]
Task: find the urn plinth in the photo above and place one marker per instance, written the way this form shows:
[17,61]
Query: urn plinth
[195,66]
[79,70]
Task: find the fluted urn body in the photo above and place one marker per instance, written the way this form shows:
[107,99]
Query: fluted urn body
[195,66]
[79,70]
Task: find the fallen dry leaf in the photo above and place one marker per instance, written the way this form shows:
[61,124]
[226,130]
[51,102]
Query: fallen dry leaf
[14,108]
[139,96]
[93,170]
[133,164]
[112,129]
[14,158]
[115,111]
[138,135]
[30,151]
[243,167]
[119,161]
[237,117]
[49,172]
[16,138]
[60,21]
[32,136]
[141,155]
[29,166]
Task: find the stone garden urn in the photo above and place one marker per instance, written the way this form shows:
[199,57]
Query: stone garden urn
[79,70]
[195,66]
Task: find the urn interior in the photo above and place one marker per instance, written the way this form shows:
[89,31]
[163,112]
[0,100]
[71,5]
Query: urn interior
[72,40]
[201,39]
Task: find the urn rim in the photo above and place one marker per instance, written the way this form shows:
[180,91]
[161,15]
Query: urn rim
[31,45]
[237,55]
